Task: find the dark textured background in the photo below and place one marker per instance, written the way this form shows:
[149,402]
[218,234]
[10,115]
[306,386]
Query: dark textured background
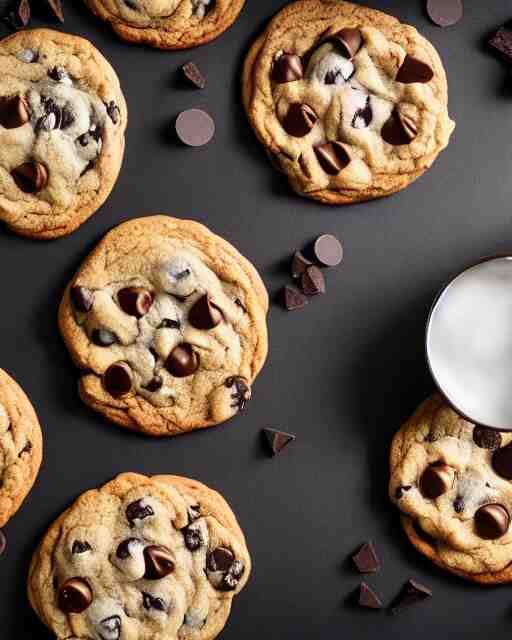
[342,374]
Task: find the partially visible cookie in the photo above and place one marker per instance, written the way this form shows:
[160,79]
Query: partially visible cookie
[167,323]
[141,558]
[21,447]
[168,24]
[452,482]
[62,123]
[350,104]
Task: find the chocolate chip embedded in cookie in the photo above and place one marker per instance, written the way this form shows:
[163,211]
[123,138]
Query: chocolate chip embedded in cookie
[452,481]
[21,448]
[168,24]
[122,562]
[62,123]
[350,103]
[167,323]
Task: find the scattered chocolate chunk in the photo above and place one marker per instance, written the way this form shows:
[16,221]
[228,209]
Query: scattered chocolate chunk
[135,301]
[348,41]
[412,593]
[313,281]
[123,549]
[287,68]
[299,264]
[14,112]
[241,391]
[23,12]
[183,361]
[82,298]
[436,480]
[193,538]
[328,251]
[193,75]
[399,493]
[158,562]
[113,111]
[414,70]
[220,559]
[80,547]
[194,512]
[111,628]
[445,13]
[363,117]
[368,598]
[103,337]
[155,384]
[30,177]
[492,521]
[55,7]
[232,577]
[502,42]
[149,602]
[277,440]
[167,323]
[299,120]
[294,299]
[59,74]
[458,504]
[138,510]
[487,438]
[117,379]
[397,130]
[75,596]
[502,462]
[3,542]
[205,314]
[332,157]
[366,559]
[195,127]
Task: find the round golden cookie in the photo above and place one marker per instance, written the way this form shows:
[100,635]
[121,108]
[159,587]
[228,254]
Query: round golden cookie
[167,323]
[350,104]
[452,481]
[168,24]
[21,447]
[62,123]
[140,558]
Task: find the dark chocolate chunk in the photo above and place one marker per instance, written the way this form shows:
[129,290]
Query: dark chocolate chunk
[150,602]
[436,480]
[276,440]
[167,323]
[205,314]
[287,68]
[220,559]
[458,504]
[366,559]
[58,74]
[75,596]
[193,538]
[232,577]
[241,391]
[80,546]
[502,462]
[328,251]
[313,281]
[195,127]
[299,120]
[117,379]
[502,42]
[445,13]
[294,299]
[412,593]
[138,511]
[399,493]
[332,157]
[348,41]
[123,549]
[135,301]
[398,130]
[103,337]
[30,177]
[111,628]
[3,542]
[299,264]
[492,521]
[368,598]
[82,298]
[14,112]
[56,8]
[414,70]
[183,361]
[113,111]
[158,561]
[486,438]
[193,75]
[363,117]
[154,384]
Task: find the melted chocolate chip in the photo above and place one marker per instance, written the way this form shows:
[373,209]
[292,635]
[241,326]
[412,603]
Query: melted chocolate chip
[436,480]
[167,323]
[398,130]
[363,117]
[135,301]
[414,70]
[287,68]
[14,112]
[75,596]
[80,547]
[332,157]
[348,41]
[158,561]
[103,338]
[30,177]
[154,384]
[138,510]
[502,462]
[300,120]
[220,559]
[113,111]
[205,314]
[58,74]
[82,298]
[492,521]
[150,602]
[241,391]
[117,379]
[183,361]
[123,549]
[458,505]
[111,628]
[193,538]
[486,438]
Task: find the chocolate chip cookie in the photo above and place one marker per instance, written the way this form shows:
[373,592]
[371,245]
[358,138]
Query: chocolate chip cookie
[452,482]
[21,447]
[350,104]
[168,24]
[167,322]
[62,123]
[140,559]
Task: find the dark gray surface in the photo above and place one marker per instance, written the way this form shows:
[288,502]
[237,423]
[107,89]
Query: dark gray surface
[342,374]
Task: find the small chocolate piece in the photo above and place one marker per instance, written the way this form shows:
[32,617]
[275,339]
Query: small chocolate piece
[348,40]
[103,337]
[183,361]
[14,112]
[56,8]
[363,117]
[487,438]
[232,577]
[80,547]
[193,538]
[397,130]
[445,13]
[75,596]
[287,68]
[313,281]
[241,391]
[412,593]
[294,299]
[277,440]
[366,559]
[23,12]
[82,298]
[138,511]
[458,504]
[158,562]
[220,559]
[113,112]
[492,521]
[3,542]
[193,75]
[59,74]
[149,602]
[436,480]
[123,549]
[167,323]
[195,127]
[502,42]
[332,157]
[194,512]
[30,177]
[414,70]
[154,384]
[299,120]
[204,314]
[299,264]
[328,251]
[502,462]
[399,493]
[135,301]
[368,598]
[111,628]
[117,379]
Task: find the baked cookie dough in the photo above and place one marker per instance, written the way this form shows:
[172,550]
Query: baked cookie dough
[62,123]
[141,558]
[21,447]
[168,24]
[452,482]
[350,104]
[167,322]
